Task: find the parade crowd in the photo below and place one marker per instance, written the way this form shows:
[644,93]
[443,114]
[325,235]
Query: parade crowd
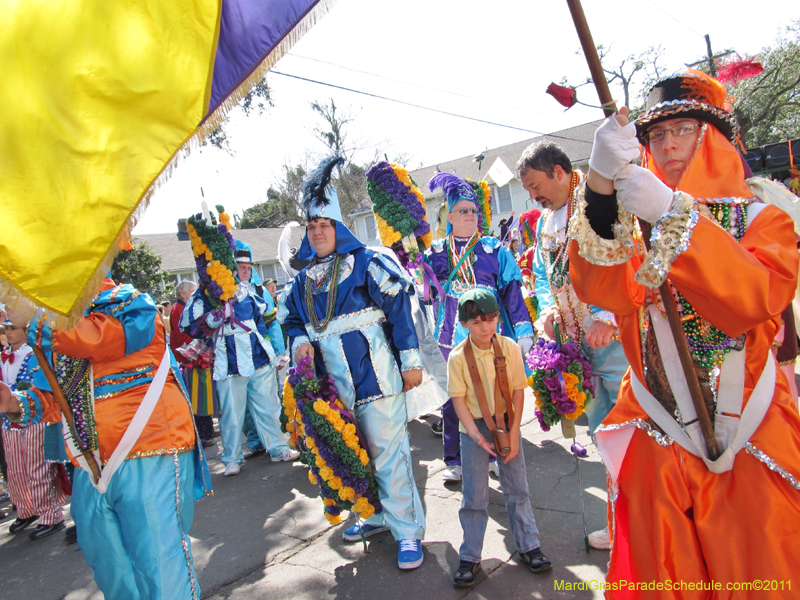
[667,217]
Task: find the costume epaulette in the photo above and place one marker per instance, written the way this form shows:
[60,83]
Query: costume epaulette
[489,244]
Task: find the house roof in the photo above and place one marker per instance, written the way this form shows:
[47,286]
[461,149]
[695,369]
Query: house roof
[575,141]
[176,255]
[365,206]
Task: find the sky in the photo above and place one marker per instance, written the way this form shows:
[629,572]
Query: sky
[490,61]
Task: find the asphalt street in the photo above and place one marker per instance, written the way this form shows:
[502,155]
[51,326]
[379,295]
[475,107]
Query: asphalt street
[263,535]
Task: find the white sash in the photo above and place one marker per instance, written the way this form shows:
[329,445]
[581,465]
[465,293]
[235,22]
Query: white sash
[132,433]
[732,432]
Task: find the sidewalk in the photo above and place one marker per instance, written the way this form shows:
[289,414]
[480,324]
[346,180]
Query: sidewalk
[263,535]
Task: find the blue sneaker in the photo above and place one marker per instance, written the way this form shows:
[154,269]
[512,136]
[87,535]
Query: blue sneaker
[353,533]
[409,554]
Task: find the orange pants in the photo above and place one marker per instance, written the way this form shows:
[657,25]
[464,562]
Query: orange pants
[675,521]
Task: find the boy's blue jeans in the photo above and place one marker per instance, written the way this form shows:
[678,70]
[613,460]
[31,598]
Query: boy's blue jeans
[474,512]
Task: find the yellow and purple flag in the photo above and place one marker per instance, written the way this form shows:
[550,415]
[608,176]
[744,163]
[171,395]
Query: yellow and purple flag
[99,100]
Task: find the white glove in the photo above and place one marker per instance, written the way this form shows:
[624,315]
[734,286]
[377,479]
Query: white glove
[614,147]
[526,344]
[642,193]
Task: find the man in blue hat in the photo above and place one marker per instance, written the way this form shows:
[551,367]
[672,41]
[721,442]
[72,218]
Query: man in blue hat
[246,355]
[350,310]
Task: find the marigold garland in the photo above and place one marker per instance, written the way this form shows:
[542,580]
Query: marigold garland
[213,248]
[326,435]
[532,304]
[562,382]
[399,207]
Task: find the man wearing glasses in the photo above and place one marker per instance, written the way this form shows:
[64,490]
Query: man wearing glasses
[461,261]
[730,262]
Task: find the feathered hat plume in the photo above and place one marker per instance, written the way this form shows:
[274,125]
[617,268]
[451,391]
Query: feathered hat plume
[316,182]
[454,189]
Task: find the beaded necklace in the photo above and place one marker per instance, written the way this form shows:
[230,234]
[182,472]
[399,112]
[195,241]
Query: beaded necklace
[557,257]
[74,374]
[332,276]
[465,278]
[556,263]
[708,344]
[733,221]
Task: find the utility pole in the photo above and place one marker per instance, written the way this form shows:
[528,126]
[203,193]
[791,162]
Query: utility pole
[711,58]
[712,65]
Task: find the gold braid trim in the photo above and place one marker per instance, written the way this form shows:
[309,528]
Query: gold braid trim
[592,247]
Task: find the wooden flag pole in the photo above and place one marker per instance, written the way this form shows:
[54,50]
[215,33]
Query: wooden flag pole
[55,387]
[609,108]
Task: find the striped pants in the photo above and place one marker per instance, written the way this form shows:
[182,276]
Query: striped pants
[31,480]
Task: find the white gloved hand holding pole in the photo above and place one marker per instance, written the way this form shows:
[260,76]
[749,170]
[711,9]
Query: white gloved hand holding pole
[642,193]
[615,146]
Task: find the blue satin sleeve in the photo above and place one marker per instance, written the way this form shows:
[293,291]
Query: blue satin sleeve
[543,294]
[434,260]
[196,307]
[292,314]
[390,291]
[509,288]
[31,408]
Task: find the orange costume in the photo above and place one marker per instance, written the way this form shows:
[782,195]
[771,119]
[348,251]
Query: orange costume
[130,412]
[678,520]
[119,379]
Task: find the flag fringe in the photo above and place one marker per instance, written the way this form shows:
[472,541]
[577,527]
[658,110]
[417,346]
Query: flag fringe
[26,307]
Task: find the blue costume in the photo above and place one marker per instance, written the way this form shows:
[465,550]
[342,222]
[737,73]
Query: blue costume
[488,265]
[555,293]
[244,366]
[496,270]
[369,339]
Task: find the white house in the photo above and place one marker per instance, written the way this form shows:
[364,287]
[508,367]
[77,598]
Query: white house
[576,142]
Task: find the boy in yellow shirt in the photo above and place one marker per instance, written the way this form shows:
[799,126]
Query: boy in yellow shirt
[478,312]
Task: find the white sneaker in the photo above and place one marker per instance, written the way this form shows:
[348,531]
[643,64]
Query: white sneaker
[600,539]
[452,473]
[287,455]
[494,469]
[232,469]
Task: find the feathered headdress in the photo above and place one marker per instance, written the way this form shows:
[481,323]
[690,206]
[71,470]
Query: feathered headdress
[318,195]
[484,195]
[527,226]
[321,200]
[454,189]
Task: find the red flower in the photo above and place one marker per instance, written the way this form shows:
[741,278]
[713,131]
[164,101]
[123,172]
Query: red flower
[565,96]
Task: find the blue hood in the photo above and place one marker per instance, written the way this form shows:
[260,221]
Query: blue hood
[346,242]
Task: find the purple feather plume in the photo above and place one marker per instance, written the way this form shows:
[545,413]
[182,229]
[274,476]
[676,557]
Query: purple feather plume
[454,188]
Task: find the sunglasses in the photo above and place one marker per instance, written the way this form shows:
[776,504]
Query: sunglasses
[467,211]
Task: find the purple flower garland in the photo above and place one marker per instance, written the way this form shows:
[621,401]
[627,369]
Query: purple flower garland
[549,362]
